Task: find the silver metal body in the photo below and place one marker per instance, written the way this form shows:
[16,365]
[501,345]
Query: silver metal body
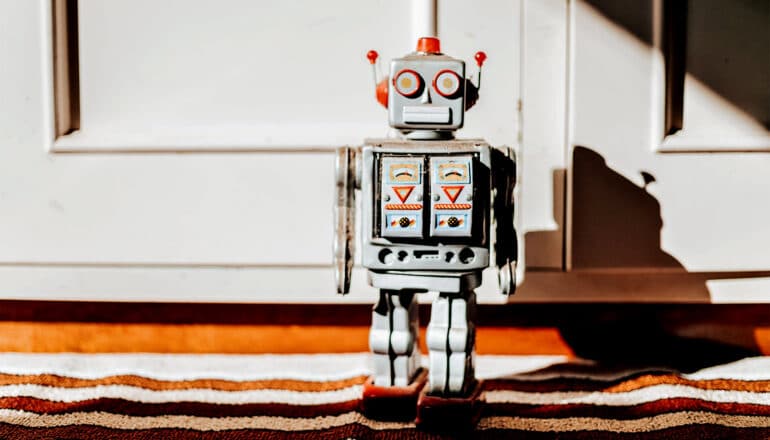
[431,206]
[410,189]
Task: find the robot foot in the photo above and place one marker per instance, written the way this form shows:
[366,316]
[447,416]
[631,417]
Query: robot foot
[393,403]
[392,392]
[452,400]
[450,414]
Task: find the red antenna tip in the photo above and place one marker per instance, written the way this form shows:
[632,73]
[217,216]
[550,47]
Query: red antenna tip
[372,56]
[480,58]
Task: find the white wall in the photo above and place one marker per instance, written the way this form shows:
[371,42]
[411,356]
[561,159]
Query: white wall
[255,94]
[203,167]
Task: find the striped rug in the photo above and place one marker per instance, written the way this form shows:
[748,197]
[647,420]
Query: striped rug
[143,396]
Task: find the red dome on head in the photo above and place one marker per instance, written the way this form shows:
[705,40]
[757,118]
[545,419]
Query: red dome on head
[429,45]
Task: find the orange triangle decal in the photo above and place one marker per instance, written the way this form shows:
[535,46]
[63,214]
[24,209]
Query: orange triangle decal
[403,192]
[452,192]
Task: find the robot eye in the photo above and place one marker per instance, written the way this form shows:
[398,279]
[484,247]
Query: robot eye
[447,83]
[408,83]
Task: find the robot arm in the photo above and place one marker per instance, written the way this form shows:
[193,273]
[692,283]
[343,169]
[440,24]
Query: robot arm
[506,243]
[344,217]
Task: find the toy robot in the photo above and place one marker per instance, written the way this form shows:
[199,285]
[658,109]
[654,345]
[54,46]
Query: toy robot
[430,203]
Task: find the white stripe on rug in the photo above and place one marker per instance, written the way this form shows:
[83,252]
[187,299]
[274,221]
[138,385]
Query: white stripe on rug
[496,366]
[597,375]
[634,397]
[754,368]
[748,369]
[328,367]
[205,395]
[321,367]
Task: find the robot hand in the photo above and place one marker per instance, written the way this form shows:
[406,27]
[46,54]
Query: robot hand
[506,243]
[506,277]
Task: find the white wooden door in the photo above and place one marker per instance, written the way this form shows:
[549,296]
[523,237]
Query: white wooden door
[669,134]
[183,150]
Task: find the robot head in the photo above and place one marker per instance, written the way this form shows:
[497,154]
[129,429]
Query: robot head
[427,93]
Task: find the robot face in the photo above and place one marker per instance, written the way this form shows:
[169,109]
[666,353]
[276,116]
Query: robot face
[426,93]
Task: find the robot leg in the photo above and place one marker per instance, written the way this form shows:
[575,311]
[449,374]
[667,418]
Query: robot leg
[393,338]
[451,340]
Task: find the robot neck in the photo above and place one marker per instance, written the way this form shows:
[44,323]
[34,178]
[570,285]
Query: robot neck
[427,135]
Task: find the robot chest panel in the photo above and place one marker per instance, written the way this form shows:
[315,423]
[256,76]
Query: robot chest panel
[429,196]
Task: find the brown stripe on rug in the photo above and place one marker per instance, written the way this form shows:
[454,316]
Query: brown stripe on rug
[687,432]
[528,397]
[155,384]
[354,431]
[559,423]
[647,409]
[636,425]
[127,407]
[195,423]
[624,385]
[199,409]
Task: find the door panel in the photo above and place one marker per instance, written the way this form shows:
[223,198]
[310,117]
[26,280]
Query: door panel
[202,164]
[232,74]
[634,207]
[721,76]
[170,192]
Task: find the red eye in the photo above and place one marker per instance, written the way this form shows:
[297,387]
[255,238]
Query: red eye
[408,83]
[447,83]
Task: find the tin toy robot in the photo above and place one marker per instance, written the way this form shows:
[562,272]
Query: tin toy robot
[433,207]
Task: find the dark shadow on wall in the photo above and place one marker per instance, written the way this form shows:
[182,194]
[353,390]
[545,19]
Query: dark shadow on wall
[616,227]
[615,244]
[615,223]
[726,48]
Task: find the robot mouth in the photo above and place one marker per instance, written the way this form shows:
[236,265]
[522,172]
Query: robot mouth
[427,114]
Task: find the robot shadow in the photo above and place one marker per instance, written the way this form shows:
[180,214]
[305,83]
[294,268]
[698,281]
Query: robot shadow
[616,246]
[615,223]
[615,243]
[679,337]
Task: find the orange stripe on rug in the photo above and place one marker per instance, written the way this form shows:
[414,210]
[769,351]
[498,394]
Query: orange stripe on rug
[56,337]
[154,384]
